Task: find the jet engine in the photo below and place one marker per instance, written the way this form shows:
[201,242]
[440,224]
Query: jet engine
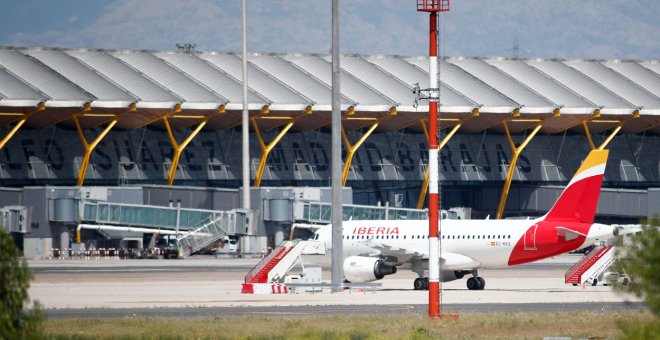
[366,269]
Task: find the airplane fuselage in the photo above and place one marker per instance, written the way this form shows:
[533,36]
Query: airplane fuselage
[373,249]
[491,243]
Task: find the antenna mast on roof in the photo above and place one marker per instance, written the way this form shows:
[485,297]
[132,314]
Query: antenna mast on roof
[186,47]
[516,47]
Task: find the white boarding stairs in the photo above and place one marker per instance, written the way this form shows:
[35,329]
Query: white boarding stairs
[272,269]
[291,259]
[588,271]
[604,262]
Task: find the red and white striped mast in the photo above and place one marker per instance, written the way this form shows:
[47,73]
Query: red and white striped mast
[433,7]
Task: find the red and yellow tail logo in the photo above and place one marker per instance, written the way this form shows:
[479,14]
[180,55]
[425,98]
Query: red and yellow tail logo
[578,201]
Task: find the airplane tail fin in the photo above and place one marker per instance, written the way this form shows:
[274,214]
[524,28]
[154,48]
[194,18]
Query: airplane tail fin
[578,201]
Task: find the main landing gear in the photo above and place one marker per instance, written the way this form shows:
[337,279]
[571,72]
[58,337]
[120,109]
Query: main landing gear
[421,283]
[476,282]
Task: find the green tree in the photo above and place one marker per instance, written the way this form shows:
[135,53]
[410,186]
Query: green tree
[17,320]
[641,261]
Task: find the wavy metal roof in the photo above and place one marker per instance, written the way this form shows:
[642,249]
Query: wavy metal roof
[636,72]
[409,74]
[469,85]
[278,93]
[361,95]
[66,80]
[14,92]
[61,92]
[553,90]
[617,83]
[193,95]
[107,93]
[298,79]
[653,65]
[149,93]
[380,81]
[608,101]
[529,100]
[214,79]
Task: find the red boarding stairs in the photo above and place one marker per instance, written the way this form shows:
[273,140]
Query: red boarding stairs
[259,274]
[598,259]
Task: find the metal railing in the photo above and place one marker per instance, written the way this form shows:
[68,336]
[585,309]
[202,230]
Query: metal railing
[221,225]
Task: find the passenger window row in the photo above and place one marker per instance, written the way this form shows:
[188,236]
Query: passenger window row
[476,237]
[449,237]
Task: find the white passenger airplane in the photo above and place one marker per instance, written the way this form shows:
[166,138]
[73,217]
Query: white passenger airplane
[373,249]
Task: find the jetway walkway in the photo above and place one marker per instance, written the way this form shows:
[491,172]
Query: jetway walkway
[150,216]
[101,212]
[321,213]
[193,228]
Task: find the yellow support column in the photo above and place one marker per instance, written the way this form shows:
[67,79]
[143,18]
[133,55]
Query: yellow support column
[21,121]
[514,159]
[619,125]
[612,134]
[13,131]
[352,149]
[588,133]
[425,185]
[178,148]
[89,148]
[266,149]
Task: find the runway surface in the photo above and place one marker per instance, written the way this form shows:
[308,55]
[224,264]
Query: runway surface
[209,287]
[285,311]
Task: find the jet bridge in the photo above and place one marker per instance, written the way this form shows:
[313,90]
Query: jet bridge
[194,228]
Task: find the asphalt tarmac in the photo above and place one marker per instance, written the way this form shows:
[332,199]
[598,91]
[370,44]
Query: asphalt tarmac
[203,286]
[306,310]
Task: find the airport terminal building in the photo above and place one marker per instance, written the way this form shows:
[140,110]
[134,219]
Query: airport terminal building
[151,140]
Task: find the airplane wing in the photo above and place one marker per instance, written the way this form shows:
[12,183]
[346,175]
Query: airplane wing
[451,261]
[402,255]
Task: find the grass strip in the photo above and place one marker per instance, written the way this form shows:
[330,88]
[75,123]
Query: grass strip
[405,326]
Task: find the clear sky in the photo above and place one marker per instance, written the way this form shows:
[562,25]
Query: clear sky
[602,29]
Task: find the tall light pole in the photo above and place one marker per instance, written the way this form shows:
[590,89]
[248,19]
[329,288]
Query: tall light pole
[433,7]
[245,125]
[337,228]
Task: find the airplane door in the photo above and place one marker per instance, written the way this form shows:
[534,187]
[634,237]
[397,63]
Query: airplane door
[530,238]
